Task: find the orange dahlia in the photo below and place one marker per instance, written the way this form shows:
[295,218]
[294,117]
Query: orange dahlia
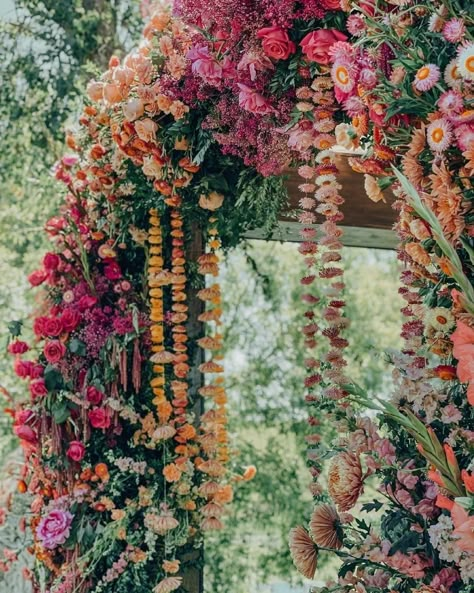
[345,480]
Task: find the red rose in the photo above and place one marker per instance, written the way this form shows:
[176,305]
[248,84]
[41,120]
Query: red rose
[38,388]
[51,261]
[22,416]
[18,347]
[70,319]
[22,368]
[37,277]
[26,433]
[99,418]
[53,326]
[76,451]
[86,302]
[38,326]
[54,351]
[37,371]
[112,271]
[316,45]
[94,396]
[275,43]
[331,4]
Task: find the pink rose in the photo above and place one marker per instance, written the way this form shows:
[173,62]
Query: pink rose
[316,45]
[54,529]
[25,433]
[276,43]
[37,277]
[205,65]
[53,326]
[22,368]
[251,100]
[76,451]
[331,4]
[36,371]
[18,347]
[51,261]
[99,418]
[70,319]
[22,416]
[54,351]
[38,388]
[94,396]
[38,326]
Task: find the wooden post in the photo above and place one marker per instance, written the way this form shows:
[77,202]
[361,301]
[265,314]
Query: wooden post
[193,578]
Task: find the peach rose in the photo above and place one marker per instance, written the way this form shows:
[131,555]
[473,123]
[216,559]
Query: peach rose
[213,201]
[146,129]
[316,45]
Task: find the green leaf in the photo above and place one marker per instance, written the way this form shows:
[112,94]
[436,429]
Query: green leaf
[77,347]
[52,378]
[15,327]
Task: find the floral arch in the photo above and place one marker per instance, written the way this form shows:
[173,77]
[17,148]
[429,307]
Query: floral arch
[178,153]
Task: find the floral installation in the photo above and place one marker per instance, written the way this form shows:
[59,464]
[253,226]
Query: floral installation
[405,81]
[180,149]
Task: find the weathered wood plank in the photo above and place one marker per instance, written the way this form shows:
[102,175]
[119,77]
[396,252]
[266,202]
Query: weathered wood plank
[366,224]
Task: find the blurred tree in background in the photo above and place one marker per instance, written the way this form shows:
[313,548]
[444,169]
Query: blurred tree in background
[48,51]
[264,371]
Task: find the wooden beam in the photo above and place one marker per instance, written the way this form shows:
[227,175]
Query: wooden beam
[193,576]
[366,224]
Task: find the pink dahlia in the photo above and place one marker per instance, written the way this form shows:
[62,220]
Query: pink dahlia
[426,77]
[54,529]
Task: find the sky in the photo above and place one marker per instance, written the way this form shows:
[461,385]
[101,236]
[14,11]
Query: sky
[5,6]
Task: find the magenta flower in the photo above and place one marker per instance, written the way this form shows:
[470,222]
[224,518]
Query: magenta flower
[205,65]
[251,100]
[54,529]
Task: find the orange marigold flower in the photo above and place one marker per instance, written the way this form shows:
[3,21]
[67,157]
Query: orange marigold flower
[172,472]
[102,471]
[249,473]
[171,566]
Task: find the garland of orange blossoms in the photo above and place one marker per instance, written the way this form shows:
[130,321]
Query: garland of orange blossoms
[214,438]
